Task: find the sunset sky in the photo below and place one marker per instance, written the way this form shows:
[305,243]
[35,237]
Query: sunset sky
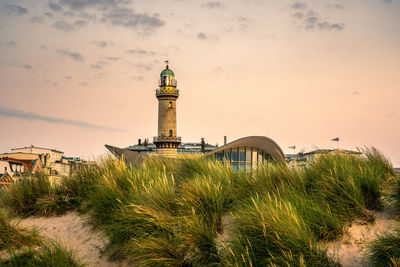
[78,74]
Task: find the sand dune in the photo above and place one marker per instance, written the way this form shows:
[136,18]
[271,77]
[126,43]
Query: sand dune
[350,249]
[73,232]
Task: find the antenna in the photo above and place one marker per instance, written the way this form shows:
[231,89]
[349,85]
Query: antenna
[166,62]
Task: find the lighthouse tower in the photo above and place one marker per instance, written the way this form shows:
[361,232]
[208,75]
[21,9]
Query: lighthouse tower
[167,140]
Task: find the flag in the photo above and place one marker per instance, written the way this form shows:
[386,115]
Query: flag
[335,139]
[292,147]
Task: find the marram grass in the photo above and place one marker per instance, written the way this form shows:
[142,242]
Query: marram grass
[12,236]
[50,255]
[169,212]
[385,250]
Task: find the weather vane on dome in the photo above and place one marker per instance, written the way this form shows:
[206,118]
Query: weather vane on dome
[166,62]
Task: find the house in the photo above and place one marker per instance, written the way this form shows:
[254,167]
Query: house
[51,155]
[301,159]
[5,179]
[12,167]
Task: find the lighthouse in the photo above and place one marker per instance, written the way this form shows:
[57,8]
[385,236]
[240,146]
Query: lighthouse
[167,140]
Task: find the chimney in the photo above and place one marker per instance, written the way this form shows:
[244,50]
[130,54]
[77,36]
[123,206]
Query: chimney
[203,145]
[225,139]
[139,142]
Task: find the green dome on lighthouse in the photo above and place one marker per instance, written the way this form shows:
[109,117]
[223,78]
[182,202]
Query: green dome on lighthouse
[167,71]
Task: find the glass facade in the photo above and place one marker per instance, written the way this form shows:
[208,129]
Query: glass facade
[243,158]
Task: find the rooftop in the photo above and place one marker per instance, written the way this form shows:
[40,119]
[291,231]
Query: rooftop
[32,146]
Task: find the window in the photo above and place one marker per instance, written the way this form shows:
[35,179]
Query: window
[170,133]
[242,154]
[235,155]
[228,155]
[170,104]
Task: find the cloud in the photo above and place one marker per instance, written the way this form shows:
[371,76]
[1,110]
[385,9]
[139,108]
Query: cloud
[337,6]
[299,5]
[310,20]
[11,43]
[80,23]
[48,14]
[299,15]
[68,77]
[142,52]
[84,84]
[23,115]
[96,66]
[63,25]
[74,55]
[55,7]
[355,93]
[113,58]
[212,5]
[102,44]
[26,66]
[137,78]
[36,19]
[387,1]
[14,10]
[203,36]
[100,4]
[126,17]
[324,25]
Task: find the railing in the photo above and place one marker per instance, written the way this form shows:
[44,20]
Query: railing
[167,83]
[165,92]
[166,138]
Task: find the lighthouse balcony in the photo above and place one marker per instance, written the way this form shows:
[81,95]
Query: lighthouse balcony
[159,139]
[167,92]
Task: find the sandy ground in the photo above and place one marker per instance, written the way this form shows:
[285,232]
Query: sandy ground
[72,231]
[350,249]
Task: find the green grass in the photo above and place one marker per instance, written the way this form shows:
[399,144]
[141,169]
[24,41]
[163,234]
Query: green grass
[385,250]
[50,255]
[270,231]
[12,236]
[170,212]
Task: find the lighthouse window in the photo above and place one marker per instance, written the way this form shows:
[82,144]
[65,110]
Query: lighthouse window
[170,104]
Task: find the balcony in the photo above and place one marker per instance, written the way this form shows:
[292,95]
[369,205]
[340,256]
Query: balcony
[166,139]
[172,92]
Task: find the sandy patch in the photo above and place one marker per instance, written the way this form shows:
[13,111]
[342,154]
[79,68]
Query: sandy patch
[350,249]
[73,232]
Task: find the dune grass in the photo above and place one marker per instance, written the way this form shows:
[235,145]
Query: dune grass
[385,250]
[12,236]
[51,255]
[169,212]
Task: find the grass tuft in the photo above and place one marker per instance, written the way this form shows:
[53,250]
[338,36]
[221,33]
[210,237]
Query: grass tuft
[50,255]
[385,250]
[12,236]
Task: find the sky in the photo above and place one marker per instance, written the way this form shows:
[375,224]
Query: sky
[78,74]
